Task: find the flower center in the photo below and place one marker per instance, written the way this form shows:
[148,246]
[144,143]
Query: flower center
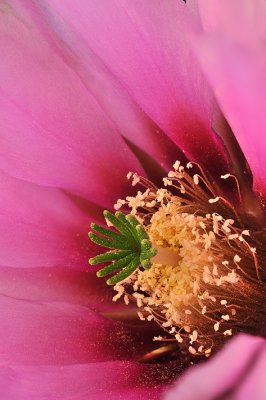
[184,259]
[187,261]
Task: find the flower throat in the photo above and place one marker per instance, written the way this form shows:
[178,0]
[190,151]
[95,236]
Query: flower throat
[182,254]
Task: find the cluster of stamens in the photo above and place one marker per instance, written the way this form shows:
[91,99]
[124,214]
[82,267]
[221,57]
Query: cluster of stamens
[198,275]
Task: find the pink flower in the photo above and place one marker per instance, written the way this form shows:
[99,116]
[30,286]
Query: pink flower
[90,91]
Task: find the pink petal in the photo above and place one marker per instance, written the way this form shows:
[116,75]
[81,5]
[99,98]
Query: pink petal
[58,285]
[97,381]
[51,120]
[216,376]
[150,55]
[55,333]
[242,20]
[40,227]
[237,75]
[254,384]
[126,115]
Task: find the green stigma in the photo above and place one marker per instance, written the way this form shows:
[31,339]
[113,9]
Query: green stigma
[130,246]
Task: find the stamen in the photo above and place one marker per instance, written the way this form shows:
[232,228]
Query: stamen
[214,200]
[184,256]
